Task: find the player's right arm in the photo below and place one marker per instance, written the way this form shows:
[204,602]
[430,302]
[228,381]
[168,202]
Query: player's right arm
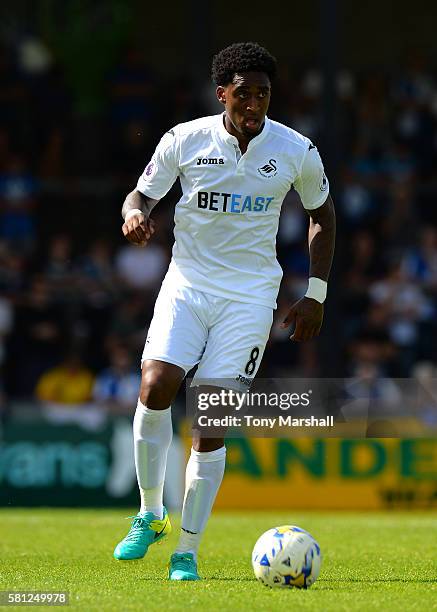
[138,227]
[156,180]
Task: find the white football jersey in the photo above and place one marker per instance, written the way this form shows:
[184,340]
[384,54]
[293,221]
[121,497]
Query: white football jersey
[227,218]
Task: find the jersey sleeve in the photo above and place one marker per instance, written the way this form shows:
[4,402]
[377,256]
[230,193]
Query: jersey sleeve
[162,170]
[312,184]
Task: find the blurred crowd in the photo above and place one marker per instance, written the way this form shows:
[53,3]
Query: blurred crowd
[76,300]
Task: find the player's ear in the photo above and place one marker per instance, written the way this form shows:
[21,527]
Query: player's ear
[221,94]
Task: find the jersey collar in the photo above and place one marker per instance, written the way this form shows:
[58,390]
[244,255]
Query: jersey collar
[226,137]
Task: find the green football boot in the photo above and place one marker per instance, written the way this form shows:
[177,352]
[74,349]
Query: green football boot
[183,567]
[146,529]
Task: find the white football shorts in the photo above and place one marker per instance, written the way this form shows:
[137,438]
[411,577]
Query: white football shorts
[225,337]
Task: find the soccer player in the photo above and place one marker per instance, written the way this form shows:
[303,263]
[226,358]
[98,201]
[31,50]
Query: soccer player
[215,306]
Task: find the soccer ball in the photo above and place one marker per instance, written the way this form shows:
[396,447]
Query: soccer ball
[286,556]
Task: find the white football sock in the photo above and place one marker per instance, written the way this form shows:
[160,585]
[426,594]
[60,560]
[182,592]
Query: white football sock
[202,481]
[152,436]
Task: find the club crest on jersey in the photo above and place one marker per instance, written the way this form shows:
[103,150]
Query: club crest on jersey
[323,183]
[270,169]
[210,161]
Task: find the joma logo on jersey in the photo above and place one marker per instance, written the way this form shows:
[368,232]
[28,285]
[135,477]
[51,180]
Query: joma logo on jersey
[269,169]
[243,379]
[210,161]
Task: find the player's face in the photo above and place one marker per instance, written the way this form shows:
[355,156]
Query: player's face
[246,101]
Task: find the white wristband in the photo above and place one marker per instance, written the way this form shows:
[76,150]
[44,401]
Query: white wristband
[317,289]
[131,213]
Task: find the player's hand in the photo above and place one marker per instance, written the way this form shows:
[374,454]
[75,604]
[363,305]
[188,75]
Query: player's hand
[307,316]
[138,230]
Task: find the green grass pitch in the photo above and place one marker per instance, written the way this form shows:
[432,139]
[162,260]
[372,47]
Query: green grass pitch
[381,561]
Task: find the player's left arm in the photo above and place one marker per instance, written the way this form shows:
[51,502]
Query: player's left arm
[307,313]
[321,239]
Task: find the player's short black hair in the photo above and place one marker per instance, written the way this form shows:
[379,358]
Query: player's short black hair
[242,57]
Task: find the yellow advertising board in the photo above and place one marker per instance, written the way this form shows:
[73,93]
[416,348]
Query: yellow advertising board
[329,473]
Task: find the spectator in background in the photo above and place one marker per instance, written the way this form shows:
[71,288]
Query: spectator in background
[132,89]
[116,388]
[399,164]
[420,262]
[365,265]
[409,309]
[37,339]
[18,191]
[141,268]
[370,353]
[95,273]
[305,117]
[399,213]
[133,112]
[12,271]
[373,111]
[65,394]
[362,184]
[131,148]
[128,324]
[59,269]
[68,383]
